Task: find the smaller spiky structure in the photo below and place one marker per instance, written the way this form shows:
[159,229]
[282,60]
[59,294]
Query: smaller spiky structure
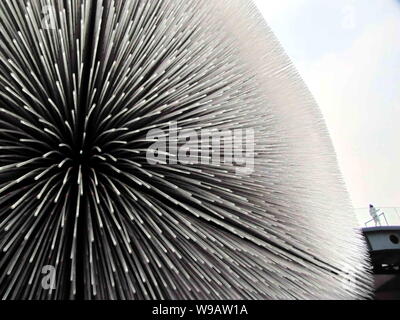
[76,189]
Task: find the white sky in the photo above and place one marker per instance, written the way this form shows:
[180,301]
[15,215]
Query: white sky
[348,52]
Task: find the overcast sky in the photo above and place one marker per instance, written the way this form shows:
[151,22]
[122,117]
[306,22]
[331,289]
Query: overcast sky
[348,52]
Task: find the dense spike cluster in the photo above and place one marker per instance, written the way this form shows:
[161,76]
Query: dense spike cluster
[80,89]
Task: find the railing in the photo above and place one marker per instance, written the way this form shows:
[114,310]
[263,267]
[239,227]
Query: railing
[387,217]
[380,216]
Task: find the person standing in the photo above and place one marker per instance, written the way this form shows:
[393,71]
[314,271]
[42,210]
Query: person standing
[374,214]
